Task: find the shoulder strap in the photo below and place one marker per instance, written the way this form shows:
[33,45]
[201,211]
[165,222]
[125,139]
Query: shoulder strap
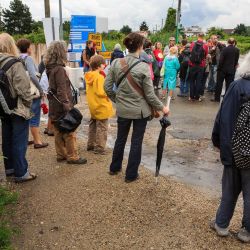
[125,69]
[130,78]
[7,65]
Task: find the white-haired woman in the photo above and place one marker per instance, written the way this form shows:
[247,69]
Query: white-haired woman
[15,117]
[61,101]
[117,53]
[235,180]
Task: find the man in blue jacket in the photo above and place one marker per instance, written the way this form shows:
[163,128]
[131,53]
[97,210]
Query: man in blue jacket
[234,180]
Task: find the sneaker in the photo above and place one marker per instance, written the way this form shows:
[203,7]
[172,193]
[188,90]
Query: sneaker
[100,152]
[114,172]
[244,235]
[77,162]
[223,232]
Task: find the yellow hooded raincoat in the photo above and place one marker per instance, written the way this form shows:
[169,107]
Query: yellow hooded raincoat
[99,104]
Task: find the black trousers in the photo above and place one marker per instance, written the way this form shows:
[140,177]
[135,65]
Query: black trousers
[134,160]
[196,74]
[221,77]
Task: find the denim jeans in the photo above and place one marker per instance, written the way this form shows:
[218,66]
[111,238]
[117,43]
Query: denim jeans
[36,110]
[184,87]
[15,133]
[234,181]
[195,81]
[212,78]
[134,160]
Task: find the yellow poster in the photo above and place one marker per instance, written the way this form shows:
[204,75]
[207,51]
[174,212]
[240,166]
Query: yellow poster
[97,39]
[105,54]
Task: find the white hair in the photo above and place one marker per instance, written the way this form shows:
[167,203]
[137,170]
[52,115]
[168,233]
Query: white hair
[245,65]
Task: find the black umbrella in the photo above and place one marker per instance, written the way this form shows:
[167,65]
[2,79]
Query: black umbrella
[160,144]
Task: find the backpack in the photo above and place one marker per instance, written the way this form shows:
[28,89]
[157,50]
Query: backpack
[241,138]
[197,53]
[7,102]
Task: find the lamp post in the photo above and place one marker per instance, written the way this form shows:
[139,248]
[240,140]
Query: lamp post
[178,20]
[47,8]
[60,18]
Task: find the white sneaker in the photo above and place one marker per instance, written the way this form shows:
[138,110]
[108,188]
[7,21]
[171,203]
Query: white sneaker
[244,235]
[223,232]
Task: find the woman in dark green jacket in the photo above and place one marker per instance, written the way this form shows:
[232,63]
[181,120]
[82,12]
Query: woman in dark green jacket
[131,106]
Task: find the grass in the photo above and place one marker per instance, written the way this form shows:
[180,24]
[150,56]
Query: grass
[6,198]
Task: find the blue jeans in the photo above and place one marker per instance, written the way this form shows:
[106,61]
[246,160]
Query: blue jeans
[234,181]
[195,81]
[212,78]
[184,87]
[36,110]
[15,133]
[134,160]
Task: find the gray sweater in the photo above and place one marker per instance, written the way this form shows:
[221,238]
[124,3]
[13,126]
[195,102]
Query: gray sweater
[32,70]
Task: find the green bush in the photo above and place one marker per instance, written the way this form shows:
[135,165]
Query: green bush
[6,232]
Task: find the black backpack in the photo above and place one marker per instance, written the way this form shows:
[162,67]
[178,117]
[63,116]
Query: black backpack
[241,138]
[5,88]
[197,53]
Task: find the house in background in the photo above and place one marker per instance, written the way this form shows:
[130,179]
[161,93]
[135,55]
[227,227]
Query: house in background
[228,31]
[193,31]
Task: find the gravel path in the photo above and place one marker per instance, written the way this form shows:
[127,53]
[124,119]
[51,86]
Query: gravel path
[82,207]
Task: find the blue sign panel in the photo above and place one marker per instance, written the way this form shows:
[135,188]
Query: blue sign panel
[80,27]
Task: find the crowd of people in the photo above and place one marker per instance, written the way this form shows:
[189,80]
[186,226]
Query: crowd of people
[132,83]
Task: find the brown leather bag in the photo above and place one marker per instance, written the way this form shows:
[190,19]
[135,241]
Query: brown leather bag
[136,86]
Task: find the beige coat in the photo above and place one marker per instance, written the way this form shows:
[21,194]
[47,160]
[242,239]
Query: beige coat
[19,87]
[129,103]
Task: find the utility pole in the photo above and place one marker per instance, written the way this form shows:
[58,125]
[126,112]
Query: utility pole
[1,28]
[61,23]
[178,20]
[47,8]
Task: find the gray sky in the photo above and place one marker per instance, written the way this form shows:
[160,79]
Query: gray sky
[206,13]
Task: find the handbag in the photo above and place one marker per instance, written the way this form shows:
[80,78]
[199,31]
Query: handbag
[71,120]
[136,87]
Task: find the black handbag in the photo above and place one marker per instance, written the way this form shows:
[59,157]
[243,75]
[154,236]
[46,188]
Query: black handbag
[72,119]
[70,122]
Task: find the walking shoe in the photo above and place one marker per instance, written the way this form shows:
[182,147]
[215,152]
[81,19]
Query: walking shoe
[244,235]
[90,148]
[114,172]
[60,159]
[222,232]
[132,180]
[80,161]
[43,145]
[100,152]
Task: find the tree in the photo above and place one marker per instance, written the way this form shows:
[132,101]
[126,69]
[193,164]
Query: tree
[144,26]
[37,26]
[170,23]
[216,31]
[241,29]
[66,26]
[125,29]
[17,19]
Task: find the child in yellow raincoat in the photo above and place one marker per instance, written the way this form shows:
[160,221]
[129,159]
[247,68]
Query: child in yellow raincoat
[100,106]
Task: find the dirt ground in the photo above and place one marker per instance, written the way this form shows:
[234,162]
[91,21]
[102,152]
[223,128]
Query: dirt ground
[82,207]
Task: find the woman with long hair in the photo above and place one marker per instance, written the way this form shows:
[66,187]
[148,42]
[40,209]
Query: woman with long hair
[60,102]
[15,117]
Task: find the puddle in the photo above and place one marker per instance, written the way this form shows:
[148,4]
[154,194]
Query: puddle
[193,162]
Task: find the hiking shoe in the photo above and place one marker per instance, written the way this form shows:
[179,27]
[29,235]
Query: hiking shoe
[132,180]
[90,148]
[77,162]
[244,235]
[222,232]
